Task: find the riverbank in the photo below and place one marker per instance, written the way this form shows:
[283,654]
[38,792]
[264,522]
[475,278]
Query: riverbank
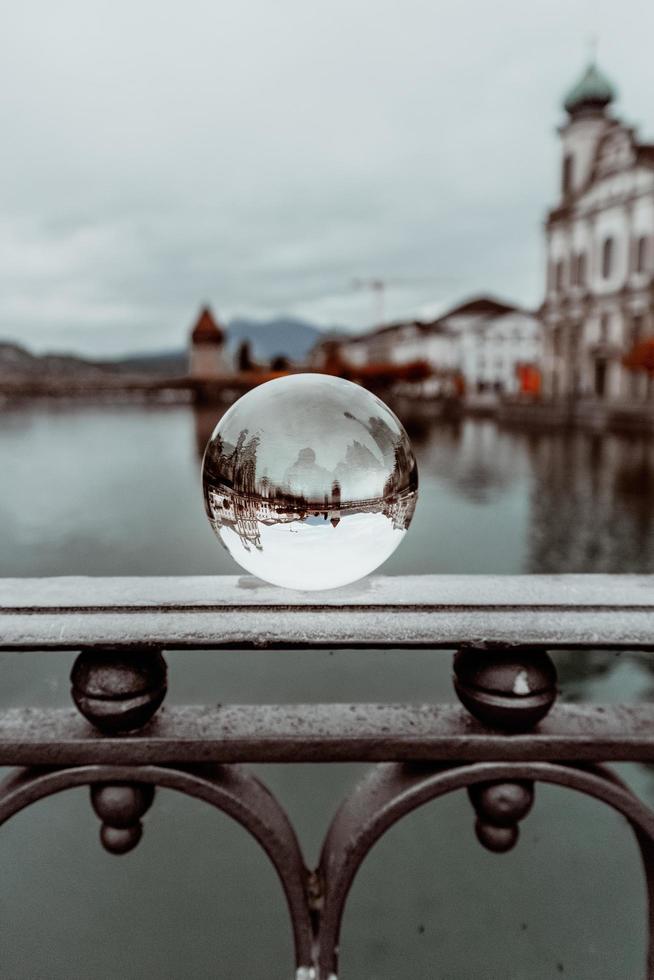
[589,414]
[521,413]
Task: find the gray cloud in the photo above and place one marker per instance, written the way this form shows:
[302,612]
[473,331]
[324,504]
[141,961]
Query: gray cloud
[262,155]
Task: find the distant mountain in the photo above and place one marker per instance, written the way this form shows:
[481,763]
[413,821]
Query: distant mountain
[285,335]
[16,362]
[170,363]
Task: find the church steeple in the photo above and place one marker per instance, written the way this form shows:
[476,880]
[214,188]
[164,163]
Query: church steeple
[587,121]
[591,94]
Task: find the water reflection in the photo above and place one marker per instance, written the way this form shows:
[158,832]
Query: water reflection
[474,459]
[591,504]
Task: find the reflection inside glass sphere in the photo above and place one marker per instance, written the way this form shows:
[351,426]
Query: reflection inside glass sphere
[310,481]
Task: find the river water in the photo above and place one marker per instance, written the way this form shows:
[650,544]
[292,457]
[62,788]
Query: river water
[106,490]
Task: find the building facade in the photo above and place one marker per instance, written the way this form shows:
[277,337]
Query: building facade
[495,342]
[599,298]
[483,341]
[207,347]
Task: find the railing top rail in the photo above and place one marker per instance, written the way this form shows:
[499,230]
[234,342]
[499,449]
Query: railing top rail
[612,611]
[426,591]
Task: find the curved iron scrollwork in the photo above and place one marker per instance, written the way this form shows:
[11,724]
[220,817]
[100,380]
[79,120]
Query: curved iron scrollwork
[389,791]
[231,789]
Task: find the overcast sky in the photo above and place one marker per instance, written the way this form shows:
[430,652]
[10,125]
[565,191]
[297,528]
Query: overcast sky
[262,154]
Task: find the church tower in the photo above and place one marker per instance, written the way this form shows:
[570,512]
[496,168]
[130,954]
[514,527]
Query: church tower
[599,297]
[206,348]
[586,104]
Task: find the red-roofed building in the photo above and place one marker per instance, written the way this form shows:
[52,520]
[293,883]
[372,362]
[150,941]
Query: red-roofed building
[207,347]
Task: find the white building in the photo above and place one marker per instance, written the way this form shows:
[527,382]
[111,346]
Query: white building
[402,343]
[600,252]
[494,340]
[483,340]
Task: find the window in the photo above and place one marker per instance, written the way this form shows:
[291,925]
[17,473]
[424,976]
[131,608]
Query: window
[566,176]
[581,269]
[604,328]
[641,254]
[607,257]
[559,275]
[556,341]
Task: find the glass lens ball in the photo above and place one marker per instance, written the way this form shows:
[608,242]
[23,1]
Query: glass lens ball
[309,481]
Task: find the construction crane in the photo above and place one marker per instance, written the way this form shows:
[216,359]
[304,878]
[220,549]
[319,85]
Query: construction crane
[378,287]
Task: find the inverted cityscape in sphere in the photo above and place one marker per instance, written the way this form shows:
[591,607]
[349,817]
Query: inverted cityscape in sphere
[310,481]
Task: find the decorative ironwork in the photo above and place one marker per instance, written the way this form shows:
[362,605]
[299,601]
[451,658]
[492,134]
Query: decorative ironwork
[391,791]
[230,789]
[119,691]
[120,806]
[510,689]
[509,735]
[500,806]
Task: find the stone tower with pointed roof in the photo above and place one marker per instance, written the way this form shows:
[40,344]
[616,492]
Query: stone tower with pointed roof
[599,298]
[206,348]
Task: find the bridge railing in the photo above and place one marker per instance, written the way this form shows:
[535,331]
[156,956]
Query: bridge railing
[505,733]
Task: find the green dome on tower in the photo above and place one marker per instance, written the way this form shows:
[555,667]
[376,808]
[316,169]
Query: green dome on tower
[592,91]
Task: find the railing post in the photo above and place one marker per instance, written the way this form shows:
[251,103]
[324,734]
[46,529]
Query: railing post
[511,689]
[119,692]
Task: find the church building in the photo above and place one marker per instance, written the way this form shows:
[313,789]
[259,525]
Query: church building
[599,300]
[207,347]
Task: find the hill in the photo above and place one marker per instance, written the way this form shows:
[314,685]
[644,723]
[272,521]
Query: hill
[285,335]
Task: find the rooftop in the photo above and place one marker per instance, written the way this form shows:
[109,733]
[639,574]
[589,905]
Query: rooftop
[593,91]
[207,329]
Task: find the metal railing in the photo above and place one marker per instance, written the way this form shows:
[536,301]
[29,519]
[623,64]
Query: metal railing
[507,734]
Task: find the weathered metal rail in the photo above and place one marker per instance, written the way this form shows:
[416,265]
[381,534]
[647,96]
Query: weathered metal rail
[508,733]
[429,611]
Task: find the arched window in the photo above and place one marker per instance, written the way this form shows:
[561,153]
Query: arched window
[566,175]
[607,257]
[559,275]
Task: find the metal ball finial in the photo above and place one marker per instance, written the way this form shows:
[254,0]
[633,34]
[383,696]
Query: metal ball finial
[499,807]
[502,803]
[120,806]
[120,840]
[496,839]
[510,689]
[119,691]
